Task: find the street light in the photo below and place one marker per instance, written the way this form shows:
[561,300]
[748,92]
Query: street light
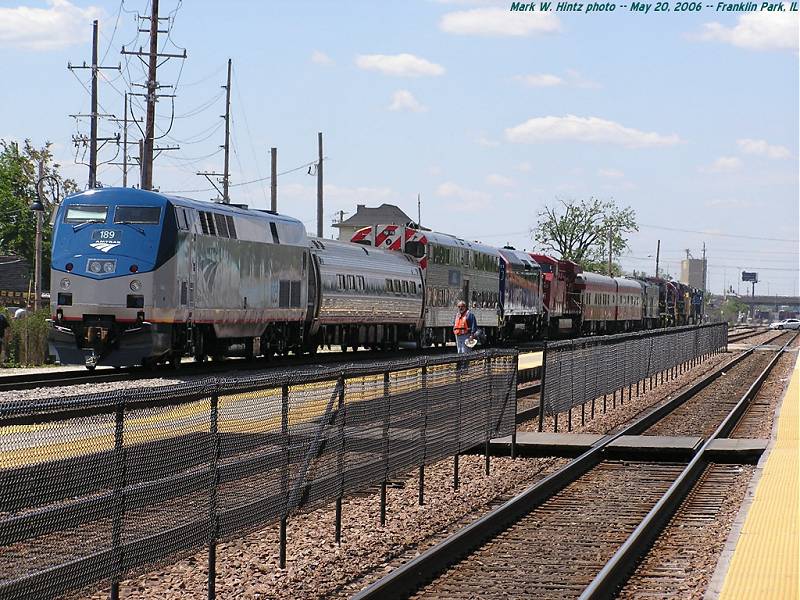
[39,205]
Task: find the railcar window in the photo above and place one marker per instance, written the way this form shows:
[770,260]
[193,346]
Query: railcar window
[85,213]
[351,282]
[222,225]
[145,215]
[360,282]
[274,231]
[405,287]
[231,226]
[388,285]
[397,287]
[340,281]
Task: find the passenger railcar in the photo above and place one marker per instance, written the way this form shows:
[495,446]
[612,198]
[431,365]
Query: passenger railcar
[454,269]
[367,297]
[561,299]
[598,302]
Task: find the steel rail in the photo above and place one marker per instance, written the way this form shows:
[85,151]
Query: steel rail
[409,577]
[624,561]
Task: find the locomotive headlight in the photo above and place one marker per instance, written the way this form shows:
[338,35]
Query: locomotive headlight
[95,266]
[65,283]
[108,267]
[136,285]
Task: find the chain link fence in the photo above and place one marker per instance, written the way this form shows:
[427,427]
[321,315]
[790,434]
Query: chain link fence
[97,488]
[581,370]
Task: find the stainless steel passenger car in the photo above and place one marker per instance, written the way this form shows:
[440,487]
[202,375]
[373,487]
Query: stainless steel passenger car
[366,296]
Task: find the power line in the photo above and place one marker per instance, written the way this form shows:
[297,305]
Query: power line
[303,166]
[730,235]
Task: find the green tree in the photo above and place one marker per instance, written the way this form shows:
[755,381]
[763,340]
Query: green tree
[578,230]
[731,308]
[19,173]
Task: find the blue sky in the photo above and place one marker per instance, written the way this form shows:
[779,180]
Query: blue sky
[689,118]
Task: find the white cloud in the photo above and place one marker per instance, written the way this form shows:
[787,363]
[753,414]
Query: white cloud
[60,25]
[759,30]
[724,164]
[462,197]
[499,180]
[585,129]
[405,100]
[611,173]
[499,22]
[487,142]
[524,166]
[761,147]
[540,80]
[728,203]
[320,58]
[398,65]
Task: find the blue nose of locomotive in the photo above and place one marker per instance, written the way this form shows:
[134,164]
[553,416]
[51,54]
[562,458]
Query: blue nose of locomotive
[110,232]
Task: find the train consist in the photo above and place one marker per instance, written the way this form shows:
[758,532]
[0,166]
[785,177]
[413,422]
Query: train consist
[141,277]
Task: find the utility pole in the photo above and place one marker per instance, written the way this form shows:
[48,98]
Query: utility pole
[125,143]
[226,199]
[226,176]
[610,235]
[319,187]
[37,268]
[658,255]
[150,119]
[151,95]
[419,211]
[93,114]
[273,181]
[705,268]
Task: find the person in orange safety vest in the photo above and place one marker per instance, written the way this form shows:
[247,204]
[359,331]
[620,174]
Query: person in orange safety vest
[464,327]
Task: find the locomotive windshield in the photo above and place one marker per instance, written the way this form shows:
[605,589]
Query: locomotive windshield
[146,215]
[86,213]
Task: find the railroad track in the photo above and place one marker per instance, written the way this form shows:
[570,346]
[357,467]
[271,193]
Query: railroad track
[738,336]
[580,532]
[67,378]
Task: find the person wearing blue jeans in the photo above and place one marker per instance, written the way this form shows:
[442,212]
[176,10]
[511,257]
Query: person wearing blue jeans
[464,327]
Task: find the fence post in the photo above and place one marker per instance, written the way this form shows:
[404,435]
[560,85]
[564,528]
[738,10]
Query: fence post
[489,375]
[387,402]
[459,394]
[285,474]
[542,389]
[423,434]
[340,460]
[212,544]
[119,495]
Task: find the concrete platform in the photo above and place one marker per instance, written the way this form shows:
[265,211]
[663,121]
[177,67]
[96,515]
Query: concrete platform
[737,450]
[533,443]
[654,446]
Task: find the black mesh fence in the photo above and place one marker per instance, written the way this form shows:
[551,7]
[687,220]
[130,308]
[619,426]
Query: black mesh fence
[96,488]
[578,371]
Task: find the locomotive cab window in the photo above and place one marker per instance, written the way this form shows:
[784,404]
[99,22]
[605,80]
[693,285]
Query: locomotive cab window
[86,213]
[144,215]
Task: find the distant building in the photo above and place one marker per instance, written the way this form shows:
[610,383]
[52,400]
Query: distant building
[385,214]
[15,280]
[693,272]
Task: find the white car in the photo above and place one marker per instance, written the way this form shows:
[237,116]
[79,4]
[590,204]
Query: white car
[786,324]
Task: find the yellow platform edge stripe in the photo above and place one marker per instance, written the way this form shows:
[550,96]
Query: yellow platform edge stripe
[766,561]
